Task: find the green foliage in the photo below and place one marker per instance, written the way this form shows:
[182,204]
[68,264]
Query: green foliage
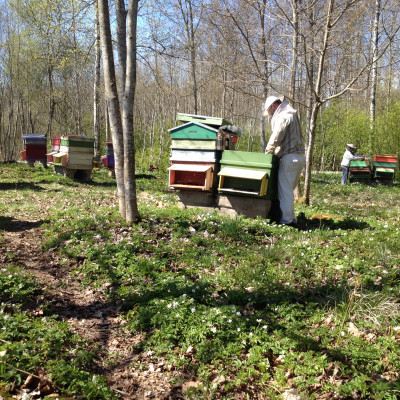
[235,304]
[338,125]
[16,288]
[29,343]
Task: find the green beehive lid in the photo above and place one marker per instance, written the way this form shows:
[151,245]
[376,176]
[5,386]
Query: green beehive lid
[247,160]
[257,162]
[193,130]
[211,121]
[359,163]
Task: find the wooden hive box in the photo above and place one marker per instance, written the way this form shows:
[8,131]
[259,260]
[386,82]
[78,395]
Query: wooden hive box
[55,143]
[109,149]
[35,139]
[249,174]
[50,156]
[360,171]
[108,161]
[60,159]
[35,151]
[385,158]
[35,147]
[55,148]
[206,156]
[195,135]
[360,163]
[384,172]
[384,168]
[193,131]
[384,164]
[76,152]
[191,176]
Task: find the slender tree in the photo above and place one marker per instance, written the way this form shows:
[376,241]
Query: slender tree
[374,70]
[121,117]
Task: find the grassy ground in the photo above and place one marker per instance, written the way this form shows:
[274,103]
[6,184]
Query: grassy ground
[240,308]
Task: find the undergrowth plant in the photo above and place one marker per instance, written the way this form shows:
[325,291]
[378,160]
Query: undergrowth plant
[244,306]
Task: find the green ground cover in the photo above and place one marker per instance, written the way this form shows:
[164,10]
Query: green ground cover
[240,305]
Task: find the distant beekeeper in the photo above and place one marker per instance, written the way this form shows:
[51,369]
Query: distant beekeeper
[286,142]
[349,155]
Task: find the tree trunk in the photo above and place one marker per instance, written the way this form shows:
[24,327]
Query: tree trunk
[264,67]
[96,92]
[121,39]
[51,102]
[309,151]
[293,72]
[132,213]
[374,73]
[112,101]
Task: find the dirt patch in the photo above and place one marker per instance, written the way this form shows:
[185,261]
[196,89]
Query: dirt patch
[90,314]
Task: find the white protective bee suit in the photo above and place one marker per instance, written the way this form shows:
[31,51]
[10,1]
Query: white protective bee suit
[287,143]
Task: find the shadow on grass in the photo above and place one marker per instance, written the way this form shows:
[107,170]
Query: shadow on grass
[262,304]
[10,224]
[113,183]
[21,186]
[305,224]
[302,304]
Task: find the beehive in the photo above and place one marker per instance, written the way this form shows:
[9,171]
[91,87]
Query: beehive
[193,157]
[360,171]
[55,148]
[76,152]
[249,174]
[384,168]
[34,148]
[108,159]
[197,145]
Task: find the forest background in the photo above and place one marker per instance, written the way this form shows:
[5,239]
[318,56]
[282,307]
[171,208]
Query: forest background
[208,57]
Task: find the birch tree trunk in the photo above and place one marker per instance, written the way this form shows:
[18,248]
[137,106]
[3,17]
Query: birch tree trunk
[96,92]
[374,73]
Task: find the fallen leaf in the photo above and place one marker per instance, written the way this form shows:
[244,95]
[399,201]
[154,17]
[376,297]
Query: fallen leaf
[353,330]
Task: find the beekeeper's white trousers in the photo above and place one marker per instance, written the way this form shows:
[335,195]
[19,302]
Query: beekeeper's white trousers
[290,168]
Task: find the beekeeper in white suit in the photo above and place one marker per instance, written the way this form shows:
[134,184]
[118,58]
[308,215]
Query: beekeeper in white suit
[287,143]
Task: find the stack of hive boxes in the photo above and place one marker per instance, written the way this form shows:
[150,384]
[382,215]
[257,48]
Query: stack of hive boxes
[196,148]
[108,159]
[248,183]
[384,168]
[35,148]
[360,171]
[209,173]
[76,154]
[55,148]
